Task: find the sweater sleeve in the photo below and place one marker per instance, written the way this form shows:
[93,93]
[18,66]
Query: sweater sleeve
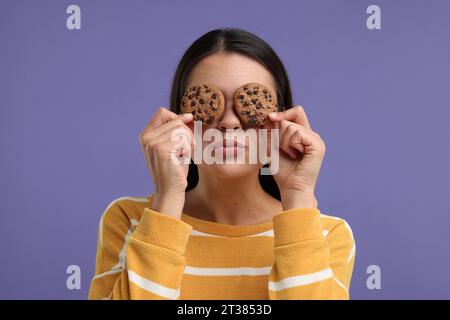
[310,262]
[139,260]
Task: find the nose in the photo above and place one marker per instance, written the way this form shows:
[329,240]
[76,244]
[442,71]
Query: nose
[229,119]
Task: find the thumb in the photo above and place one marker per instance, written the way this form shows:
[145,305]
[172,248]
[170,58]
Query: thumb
[187,117]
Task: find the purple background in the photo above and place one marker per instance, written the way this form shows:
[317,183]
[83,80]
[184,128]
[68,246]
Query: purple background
[73,104]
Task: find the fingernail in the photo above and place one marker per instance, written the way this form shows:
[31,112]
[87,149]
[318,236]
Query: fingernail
[187,116]
[273,114]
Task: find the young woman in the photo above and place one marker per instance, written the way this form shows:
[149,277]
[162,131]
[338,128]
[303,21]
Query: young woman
[224,231]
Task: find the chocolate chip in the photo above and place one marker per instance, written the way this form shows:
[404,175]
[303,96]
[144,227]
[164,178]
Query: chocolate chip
[201,101]
[192,103]
[255,91]
[214,96]
[264,91]
[249,92]
[241,96]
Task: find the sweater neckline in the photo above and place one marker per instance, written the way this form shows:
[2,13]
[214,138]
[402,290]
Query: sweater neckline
[222,229]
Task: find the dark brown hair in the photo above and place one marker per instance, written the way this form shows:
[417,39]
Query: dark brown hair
[245,43]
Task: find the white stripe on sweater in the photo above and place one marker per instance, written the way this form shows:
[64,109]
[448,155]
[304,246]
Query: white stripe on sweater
[340,284]
[353,249]
[268,233]
[153,287]
[240,271]
[300,280]
[122,252]
[100,227]
[106,273]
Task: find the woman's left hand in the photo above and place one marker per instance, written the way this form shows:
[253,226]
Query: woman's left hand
[301,152]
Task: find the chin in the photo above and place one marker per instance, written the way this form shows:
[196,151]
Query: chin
[231,171]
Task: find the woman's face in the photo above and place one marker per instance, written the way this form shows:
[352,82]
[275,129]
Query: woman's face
[229,71]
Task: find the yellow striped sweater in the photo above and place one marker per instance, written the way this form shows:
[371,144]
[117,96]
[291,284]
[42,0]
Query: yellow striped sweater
[143,254]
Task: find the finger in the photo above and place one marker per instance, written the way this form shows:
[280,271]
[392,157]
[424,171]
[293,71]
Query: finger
[172,149]
[169,128]
[161,117]
[153,133]
[167,132]
[295,114]
[301,139]
[181,148]
[184,134]
[287,130]
[295,141]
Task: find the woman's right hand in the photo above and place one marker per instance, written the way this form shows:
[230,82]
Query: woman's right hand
[167,142]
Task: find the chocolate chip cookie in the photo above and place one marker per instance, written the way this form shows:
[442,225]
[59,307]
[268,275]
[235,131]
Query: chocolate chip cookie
[205,101]
[253,102]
